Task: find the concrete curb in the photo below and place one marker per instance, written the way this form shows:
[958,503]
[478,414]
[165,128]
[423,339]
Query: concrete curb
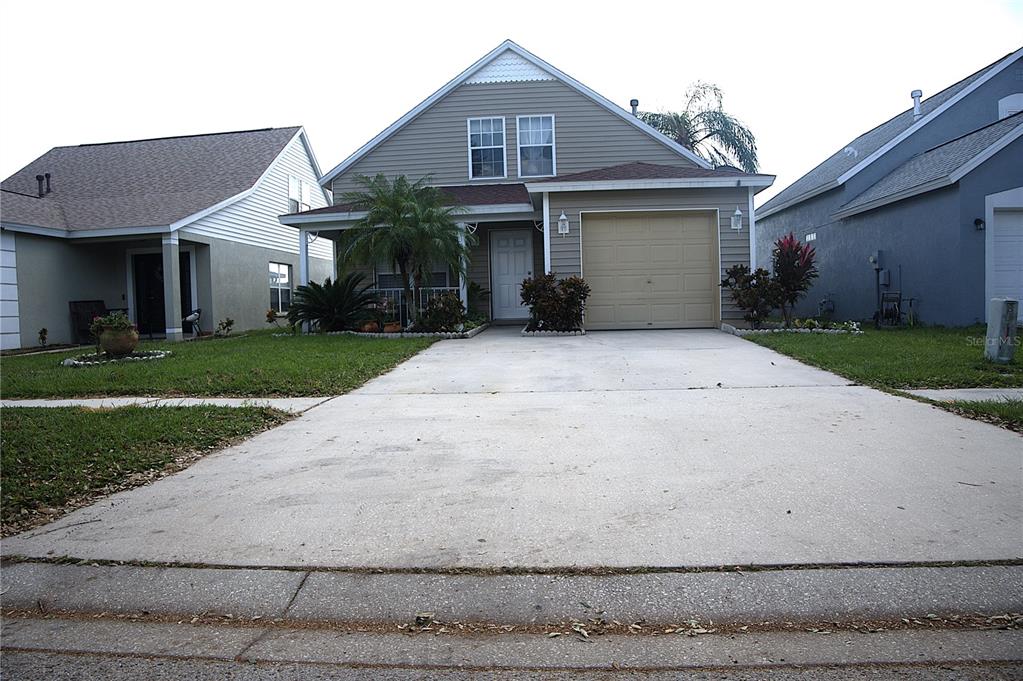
[805,595]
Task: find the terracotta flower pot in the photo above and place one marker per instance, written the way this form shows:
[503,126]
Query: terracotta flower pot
[370,327]
[392,327]
[118,342]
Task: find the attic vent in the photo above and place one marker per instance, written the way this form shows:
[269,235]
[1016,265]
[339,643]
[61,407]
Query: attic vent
[508,67]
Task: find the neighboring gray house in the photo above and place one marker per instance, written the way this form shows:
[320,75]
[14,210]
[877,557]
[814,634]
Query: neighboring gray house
[157,228]
[556,178]
[936,193]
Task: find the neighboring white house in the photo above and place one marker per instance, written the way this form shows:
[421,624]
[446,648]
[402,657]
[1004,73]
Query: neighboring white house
[157,228]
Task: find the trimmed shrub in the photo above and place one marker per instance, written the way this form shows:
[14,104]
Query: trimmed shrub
[755,292]
[555,305]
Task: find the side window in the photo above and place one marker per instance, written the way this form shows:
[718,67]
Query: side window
[280,287]
[299,194]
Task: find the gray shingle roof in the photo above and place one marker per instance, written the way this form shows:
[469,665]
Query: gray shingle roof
[638,170]
[937,163]
[141,183]
[863,146]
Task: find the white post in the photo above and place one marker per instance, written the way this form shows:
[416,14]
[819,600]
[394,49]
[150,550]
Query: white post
[463,281]
[172,287]
[303,257]
[752,234]
[546,234]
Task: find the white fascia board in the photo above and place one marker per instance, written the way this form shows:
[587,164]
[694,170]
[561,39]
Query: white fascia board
[666,183]
[761,213]
[539,63]
[85,233]
[320,218]
[315,163]
[895,141]
[944,181]
[352,216]
[238,197]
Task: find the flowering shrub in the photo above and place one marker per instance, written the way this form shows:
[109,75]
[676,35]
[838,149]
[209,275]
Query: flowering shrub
[793,271]
[442,313]
[754,292]
[115,321]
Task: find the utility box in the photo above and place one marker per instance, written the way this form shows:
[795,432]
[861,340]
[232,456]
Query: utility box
[1000,344]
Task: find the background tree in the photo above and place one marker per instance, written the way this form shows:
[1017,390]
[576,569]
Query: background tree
[410,225]
[703,127]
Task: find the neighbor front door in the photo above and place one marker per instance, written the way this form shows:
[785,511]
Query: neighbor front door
[149,308]
[511,261]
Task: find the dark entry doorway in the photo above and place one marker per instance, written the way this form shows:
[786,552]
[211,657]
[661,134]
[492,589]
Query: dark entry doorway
[149,304]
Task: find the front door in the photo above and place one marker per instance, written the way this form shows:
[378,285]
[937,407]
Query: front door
[511,261]
[149,307]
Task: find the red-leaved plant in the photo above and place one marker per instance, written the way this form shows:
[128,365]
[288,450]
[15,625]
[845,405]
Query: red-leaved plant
[794,272]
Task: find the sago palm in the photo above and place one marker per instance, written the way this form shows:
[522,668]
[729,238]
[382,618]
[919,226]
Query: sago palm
[408,224]
[704,128]
[333,305]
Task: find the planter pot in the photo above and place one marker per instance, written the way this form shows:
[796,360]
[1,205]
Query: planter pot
[392,327]
[370,327]
[118,342]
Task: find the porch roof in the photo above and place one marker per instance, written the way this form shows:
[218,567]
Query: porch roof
[465,195]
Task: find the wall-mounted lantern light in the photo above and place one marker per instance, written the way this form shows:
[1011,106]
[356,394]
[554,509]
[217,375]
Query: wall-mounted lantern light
[563,223]
[978,224]
[737,219]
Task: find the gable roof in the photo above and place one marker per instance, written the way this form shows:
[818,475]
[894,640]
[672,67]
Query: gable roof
[871,145]
[937,167]
[143,183]
[493,67]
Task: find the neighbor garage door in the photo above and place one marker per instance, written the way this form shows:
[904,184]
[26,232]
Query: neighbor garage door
[1007,258]
[655,270]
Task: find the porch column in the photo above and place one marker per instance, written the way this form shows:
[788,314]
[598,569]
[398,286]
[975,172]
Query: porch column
[546,233]
[463,281]
[172,287]
[303,257]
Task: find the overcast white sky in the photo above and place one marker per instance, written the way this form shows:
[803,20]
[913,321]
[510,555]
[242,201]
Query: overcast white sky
[806,77]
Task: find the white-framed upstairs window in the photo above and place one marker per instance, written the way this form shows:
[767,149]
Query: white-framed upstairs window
[486,148]
[299,194]
[537,156]
[280,287]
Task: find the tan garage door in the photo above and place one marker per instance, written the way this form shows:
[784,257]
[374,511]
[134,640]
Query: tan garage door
[654,270]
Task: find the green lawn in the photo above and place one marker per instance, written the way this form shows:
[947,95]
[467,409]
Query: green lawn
[59,456]
[901,358]
[255,365]
[1008,413]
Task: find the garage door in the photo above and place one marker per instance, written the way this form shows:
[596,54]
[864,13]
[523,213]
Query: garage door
[651,270]
[1007,258]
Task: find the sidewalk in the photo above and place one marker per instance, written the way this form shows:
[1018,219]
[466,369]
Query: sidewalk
[294,405]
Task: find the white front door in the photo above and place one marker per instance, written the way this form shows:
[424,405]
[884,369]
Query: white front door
[511,261]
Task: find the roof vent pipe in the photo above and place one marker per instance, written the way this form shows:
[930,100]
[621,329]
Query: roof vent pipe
[916,95]
[47,176]
[634,103]
[40,179]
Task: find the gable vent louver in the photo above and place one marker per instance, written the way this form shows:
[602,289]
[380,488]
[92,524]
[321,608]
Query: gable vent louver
[509,68]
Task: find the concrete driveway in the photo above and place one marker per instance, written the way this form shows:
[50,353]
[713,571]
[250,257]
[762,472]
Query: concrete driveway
[652,448]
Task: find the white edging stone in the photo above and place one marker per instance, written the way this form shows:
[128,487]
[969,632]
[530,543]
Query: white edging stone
[84,361]
[439,334]
[728,328]
[577,332]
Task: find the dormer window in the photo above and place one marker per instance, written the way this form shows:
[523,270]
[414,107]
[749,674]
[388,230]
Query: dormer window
[486,148]
[536,146]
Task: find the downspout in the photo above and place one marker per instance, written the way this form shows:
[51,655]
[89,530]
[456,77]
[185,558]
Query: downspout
[546,233]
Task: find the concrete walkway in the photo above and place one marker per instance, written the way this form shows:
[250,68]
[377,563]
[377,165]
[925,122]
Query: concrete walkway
[654,448]
[970,394]
[294,405]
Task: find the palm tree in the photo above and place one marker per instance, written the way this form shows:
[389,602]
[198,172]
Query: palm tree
[333,305]
[410,225]
[704,128]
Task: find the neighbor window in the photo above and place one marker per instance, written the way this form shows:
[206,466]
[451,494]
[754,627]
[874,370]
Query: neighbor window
[536,146]
[299,194]
[280,287]
[486,148]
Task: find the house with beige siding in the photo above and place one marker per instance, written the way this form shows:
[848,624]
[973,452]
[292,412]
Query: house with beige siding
[157,228]
[553,177]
